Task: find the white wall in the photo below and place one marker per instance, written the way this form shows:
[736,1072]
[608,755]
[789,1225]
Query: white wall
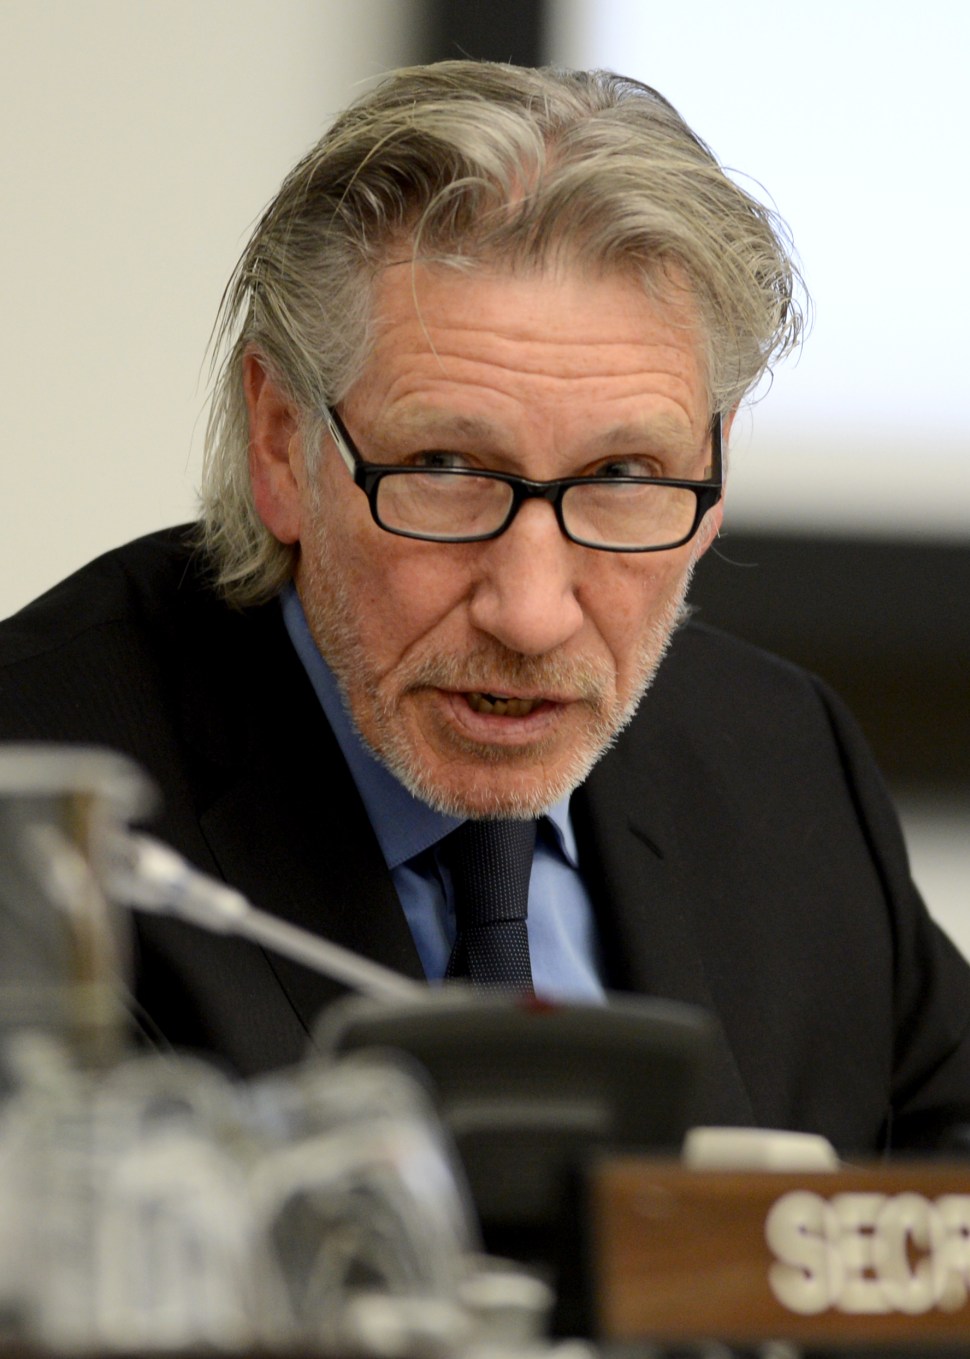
[854,115]
[140,140]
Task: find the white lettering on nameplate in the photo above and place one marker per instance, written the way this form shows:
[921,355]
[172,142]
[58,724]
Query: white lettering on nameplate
[869,1253]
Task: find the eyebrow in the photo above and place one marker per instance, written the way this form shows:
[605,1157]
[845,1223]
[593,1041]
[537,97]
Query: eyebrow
[439,424]
[663,434]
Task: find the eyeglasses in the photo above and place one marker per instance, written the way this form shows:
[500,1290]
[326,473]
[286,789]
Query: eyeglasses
[472,505]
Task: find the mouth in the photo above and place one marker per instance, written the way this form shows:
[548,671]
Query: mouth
[502,705]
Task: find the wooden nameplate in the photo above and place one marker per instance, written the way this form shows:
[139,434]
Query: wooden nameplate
[871,1255]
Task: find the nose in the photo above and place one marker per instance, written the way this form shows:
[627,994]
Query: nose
[525,587]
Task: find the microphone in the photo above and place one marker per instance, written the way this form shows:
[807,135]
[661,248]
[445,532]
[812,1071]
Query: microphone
[147,874]
[62,940]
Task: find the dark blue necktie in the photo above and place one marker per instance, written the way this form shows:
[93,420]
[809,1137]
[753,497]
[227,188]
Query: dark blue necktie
[490,865]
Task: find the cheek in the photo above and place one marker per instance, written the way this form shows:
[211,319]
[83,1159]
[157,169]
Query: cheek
[404,591]
[393,586]
[630,589]
[629,595]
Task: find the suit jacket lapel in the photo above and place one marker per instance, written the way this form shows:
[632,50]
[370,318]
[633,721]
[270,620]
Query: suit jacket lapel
[284,821]
[630,854]
[317,867]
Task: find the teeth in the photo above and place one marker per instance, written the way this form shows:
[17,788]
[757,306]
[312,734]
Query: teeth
[498,706]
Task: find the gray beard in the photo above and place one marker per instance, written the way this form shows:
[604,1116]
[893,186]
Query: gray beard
[331,616]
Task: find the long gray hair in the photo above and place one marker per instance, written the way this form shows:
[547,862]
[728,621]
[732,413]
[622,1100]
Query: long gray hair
[468,162]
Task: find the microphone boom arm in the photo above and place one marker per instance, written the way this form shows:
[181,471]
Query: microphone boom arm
[152,877]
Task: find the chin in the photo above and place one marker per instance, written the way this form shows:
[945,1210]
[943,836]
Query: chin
[492,789]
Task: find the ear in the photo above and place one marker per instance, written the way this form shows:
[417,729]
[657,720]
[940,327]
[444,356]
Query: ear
[276,468]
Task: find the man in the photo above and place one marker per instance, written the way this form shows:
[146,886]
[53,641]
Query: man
[484,353]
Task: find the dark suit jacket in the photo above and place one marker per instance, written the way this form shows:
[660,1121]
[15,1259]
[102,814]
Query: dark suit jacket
[738,843]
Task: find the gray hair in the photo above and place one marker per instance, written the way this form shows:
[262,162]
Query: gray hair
[467,162]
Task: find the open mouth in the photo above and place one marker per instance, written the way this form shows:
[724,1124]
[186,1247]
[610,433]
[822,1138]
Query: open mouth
[500,705]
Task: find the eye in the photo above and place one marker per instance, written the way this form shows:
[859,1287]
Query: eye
[633,466]
[437,460]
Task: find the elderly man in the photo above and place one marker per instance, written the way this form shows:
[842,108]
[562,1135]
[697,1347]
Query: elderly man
[484,351]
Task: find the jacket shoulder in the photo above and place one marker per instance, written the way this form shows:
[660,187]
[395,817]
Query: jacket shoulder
[711,660]
[150,576]
[719,688]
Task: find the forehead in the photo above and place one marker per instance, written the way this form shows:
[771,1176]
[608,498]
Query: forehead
[490,341]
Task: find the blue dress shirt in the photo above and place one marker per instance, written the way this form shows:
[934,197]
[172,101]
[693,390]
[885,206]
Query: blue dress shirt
[563,942]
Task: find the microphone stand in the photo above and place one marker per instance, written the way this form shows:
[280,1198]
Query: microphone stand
[152,877]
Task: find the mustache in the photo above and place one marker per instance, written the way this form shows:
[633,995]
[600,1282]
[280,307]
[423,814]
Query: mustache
[495,669]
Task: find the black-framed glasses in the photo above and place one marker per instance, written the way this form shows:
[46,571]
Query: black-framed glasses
[472,505]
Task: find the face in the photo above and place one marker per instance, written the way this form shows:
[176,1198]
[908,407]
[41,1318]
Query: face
[491,676]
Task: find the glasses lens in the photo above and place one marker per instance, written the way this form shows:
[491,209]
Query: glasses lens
[630,515]
[442,505]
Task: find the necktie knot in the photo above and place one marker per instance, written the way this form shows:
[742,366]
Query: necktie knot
[491,863]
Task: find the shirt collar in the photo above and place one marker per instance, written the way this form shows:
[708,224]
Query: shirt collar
[403,824]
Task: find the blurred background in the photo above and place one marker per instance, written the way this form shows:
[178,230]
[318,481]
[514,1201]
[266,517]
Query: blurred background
[142,139]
